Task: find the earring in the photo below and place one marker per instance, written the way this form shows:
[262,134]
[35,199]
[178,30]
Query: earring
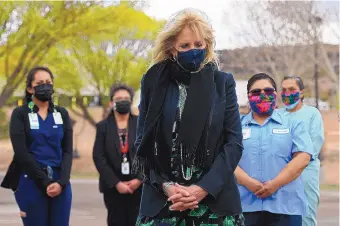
[173,58]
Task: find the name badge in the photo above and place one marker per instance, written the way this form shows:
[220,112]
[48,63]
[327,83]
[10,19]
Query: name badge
[246,133]
[57,118]
[125,168]
[281,131]
[34,121]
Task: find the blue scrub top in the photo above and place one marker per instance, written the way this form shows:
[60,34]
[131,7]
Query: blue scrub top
[312,119]
[47,142]
[268,148]
[313,122]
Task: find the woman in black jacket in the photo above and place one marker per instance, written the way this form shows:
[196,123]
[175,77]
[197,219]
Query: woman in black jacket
[189,138]
[113,153]
[41,136]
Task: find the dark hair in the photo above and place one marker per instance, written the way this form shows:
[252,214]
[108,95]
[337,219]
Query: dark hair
[260,76]
[30,78]
[116,87]
[298,80]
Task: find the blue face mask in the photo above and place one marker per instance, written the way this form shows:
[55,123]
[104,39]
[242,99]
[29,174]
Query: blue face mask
[292,106]
[191,60]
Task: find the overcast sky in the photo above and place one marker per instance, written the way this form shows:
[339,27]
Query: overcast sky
[223,17]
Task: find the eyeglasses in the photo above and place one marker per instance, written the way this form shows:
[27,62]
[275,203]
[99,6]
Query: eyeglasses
[257,92]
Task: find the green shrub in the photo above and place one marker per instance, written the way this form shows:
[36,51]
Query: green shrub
[4,128]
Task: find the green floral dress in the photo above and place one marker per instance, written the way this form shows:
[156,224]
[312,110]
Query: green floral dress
[199,217]
[202,216]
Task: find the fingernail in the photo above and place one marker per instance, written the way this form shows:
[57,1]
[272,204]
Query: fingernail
[171,209]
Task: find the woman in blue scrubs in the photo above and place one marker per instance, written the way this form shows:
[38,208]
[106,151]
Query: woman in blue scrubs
[41,136]
[292,96]
[276,150]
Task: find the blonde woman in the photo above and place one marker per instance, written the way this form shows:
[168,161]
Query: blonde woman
[189,138]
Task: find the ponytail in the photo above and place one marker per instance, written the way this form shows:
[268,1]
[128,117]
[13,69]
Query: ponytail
[28,97]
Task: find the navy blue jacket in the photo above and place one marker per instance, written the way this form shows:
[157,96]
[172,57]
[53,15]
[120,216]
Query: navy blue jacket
[224,143]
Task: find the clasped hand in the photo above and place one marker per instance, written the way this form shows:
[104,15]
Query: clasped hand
[128,187]
[262,190]
[184,198]
[53,190]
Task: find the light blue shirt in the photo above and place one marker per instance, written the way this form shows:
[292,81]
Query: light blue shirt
[268,148]
[313,122]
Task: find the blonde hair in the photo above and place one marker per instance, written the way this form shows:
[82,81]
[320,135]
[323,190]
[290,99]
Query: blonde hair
[194,19]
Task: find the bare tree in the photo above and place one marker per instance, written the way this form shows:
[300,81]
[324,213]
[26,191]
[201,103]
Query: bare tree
[310,19]
[281,38]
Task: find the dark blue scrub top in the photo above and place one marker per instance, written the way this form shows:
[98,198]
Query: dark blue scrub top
[46,142]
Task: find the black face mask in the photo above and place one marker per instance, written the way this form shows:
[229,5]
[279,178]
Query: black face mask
[43,92]
[123,107]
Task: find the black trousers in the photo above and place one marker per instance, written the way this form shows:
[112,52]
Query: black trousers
[270,219]
[122,210]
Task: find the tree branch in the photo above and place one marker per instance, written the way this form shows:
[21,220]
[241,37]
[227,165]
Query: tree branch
[77,113]
[86,112]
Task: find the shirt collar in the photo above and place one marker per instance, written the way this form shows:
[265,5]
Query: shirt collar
[276,117]
[248,119]
[285,112]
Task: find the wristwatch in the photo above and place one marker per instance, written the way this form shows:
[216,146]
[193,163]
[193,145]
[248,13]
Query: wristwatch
[166,185]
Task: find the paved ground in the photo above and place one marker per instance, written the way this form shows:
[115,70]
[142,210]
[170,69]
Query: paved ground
[88,209]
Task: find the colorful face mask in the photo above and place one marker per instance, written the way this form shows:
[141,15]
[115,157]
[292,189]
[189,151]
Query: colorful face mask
[290,99]
[263,104]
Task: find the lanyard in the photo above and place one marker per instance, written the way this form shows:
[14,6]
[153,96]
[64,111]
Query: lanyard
[31,106]
[124,146]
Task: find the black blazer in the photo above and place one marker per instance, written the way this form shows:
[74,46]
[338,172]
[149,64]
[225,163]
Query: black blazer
[23,160]
[224,143]
[106,151]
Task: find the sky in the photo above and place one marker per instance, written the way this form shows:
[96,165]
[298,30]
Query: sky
[223,16]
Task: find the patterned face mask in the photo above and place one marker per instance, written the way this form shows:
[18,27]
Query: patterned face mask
[263,104]
[290,99]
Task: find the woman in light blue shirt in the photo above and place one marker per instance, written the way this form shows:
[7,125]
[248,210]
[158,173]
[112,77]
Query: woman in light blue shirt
[276,150]
[292,97]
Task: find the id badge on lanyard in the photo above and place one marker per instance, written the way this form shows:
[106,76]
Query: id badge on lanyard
[125,168]
[33,117]
[58,120]
[34,121]
[124,148]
